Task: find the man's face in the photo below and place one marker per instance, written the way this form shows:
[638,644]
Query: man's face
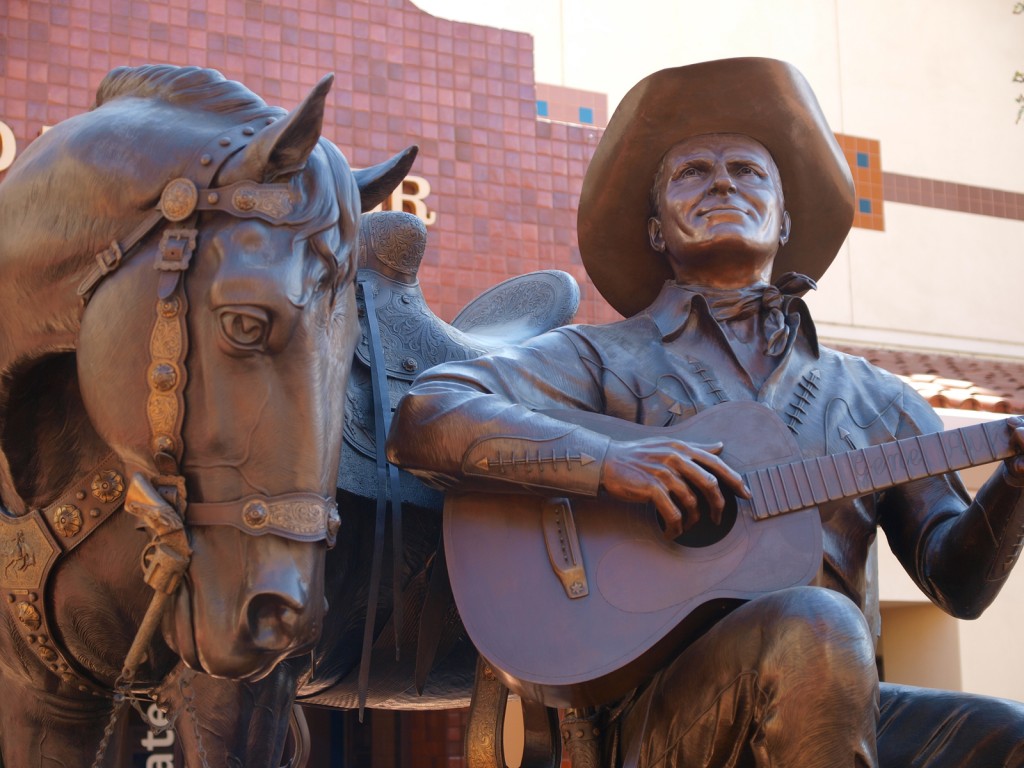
[720,211]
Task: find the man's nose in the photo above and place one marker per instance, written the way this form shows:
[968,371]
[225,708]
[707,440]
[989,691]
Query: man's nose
[721,182]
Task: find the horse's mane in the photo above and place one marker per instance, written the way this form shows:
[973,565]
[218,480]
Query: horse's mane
[193,87]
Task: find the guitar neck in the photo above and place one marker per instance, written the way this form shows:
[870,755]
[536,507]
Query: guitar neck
[808,483]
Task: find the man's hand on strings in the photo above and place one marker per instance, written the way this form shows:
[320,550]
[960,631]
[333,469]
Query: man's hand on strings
[1015,464]
[671,475]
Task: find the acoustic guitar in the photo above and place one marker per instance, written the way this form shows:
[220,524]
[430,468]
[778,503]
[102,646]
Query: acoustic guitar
[574,602]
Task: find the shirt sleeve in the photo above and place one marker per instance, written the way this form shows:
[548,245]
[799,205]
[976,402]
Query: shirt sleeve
[958,551]
[477,422]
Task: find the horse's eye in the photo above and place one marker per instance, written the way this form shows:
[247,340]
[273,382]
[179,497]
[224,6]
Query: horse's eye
[245,328]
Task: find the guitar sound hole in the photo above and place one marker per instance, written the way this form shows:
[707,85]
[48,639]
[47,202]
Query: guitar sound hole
[705,532]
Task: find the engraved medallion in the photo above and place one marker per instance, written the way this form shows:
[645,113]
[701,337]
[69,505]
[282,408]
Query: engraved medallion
[179,199]
[67,519]
[29,616]
[27,549]
[256,514]
[244,199]
[107,486]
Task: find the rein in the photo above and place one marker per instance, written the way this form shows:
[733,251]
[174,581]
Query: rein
[387,476]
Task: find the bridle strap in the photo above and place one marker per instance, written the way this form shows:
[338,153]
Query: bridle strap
[297,516]
[177,202]
[110,258]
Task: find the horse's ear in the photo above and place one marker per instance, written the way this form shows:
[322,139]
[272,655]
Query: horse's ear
[378,181]
[283,146]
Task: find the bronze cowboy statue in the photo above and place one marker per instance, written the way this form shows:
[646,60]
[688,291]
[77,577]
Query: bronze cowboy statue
[716,197]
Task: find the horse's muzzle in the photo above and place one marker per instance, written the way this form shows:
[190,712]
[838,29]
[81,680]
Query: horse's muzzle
[247,604]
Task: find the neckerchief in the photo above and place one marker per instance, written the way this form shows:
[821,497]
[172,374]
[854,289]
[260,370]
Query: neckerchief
[729,304]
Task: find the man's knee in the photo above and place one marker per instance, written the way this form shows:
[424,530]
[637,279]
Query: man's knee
[818,634]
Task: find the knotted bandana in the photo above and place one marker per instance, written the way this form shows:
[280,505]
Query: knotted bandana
[768,300]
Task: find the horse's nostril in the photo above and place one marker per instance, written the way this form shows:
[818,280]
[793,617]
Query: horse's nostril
[274,621]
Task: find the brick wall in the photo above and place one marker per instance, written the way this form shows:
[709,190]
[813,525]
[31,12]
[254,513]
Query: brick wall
[504,184]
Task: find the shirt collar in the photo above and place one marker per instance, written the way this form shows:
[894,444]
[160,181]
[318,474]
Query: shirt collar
[675,304]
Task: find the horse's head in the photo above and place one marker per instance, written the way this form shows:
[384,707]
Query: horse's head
[213,354]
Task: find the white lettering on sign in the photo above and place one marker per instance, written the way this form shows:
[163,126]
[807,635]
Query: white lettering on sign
[8,146]
[151,742]
[410,196]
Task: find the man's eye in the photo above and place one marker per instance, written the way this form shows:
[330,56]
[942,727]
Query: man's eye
[687,173]
[746,170]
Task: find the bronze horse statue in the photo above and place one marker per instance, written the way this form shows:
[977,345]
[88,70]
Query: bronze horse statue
[178,318]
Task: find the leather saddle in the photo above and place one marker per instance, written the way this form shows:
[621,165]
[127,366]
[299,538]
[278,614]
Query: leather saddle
[414,339]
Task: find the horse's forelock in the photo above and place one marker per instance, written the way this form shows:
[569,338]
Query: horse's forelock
[336,202]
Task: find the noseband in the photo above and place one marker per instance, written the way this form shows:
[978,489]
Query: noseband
[300,516]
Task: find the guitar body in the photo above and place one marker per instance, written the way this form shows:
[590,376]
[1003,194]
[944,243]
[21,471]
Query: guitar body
[576,601]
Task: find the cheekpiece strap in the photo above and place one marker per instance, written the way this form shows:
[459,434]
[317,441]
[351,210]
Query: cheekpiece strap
[110,258]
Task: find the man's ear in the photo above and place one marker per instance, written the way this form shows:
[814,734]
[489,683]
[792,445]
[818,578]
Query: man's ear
[784,231]
[654,233]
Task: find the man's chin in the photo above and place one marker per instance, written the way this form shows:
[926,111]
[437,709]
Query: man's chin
[729,259]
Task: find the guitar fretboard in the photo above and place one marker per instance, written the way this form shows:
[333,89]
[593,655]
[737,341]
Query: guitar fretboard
[802,484]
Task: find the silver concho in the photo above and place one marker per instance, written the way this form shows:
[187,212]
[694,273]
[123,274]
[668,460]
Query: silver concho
[179,199]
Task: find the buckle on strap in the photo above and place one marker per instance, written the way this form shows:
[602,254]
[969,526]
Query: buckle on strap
[107,261]
[176,248]
[111,258]
[296,516]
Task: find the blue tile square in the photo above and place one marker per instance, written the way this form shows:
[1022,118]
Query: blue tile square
[864,205]
[587,115]
[862,160]
[542,108]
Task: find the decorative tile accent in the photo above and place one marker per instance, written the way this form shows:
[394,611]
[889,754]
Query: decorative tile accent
[865,160]
[572,105]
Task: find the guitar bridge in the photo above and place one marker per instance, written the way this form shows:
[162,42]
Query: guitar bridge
[563,547]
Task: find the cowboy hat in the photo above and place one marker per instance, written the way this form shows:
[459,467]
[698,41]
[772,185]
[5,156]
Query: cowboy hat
[767,100]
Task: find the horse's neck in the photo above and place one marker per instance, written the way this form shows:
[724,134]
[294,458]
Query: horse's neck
[48,441]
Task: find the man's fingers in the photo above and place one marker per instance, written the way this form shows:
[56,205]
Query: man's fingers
[723,472]
[669,513]
[707,485]
[676,477]
[678,505]
[1018,465]
[714,448]
[1017,431]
